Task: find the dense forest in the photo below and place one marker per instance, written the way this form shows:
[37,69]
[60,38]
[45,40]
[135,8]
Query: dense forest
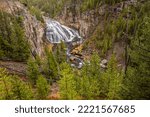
[125,79]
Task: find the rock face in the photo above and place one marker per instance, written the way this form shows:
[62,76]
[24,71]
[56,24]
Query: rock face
[82,22]
[35,33]
[86,22]
[34,29]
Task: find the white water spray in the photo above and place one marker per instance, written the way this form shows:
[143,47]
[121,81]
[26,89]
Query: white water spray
[56,33]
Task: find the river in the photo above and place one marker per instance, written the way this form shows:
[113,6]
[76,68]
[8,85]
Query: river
[56,33]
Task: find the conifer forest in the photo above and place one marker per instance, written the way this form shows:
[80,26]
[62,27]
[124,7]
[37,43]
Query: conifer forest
[74,49]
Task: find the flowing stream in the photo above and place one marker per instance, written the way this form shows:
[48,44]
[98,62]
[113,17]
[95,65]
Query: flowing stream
[56,33]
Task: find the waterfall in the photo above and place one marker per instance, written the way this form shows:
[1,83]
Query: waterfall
[56,33]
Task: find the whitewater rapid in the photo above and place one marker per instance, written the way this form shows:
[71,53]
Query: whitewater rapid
[56,33]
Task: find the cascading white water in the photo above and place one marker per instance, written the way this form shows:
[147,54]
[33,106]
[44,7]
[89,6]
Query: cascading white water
[56,33]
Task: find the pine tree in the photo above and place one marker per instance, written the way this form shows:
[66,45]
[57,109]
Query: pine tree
[94,75]
[67,83]
[32,71]
[42,87]
[60,53]
[90,78]
[20,89]
[20,44]
[113,79]
[13,44]
[137,79]
[5,85]
[11,87]
[50,66]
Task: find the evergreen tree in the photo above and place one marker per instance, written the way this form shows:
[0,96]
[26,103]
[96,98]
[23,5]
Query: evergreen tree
[84,86]
[112,80]
[20,89]
[50,66]
[67,83]
[20,44]
[60,53]
[32,71]
[42,87]
[13,43]
[90,78]
[5,85]
[137,79]
[11,87]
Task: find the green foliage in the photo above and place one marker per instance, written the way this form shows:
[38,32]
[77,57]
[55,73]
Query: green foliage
[112,1]
[137,82]
[104,38]
[54,7]
[20,89]
[35,11]
[85,87]
[113,79]
[5,85]
[32,71]
[60,54]
[91,82]
[88,80]
[13,44]
[67,83]
[113,30]
[50,66]
[11,87]
[49,7]
[106,44]
[47,66]
[42,87]
[90,4]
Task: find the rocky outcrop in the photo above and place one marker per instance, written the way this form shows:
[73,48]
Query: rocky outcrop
[34,29]
[86,22]
[35,33]
[82,22]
